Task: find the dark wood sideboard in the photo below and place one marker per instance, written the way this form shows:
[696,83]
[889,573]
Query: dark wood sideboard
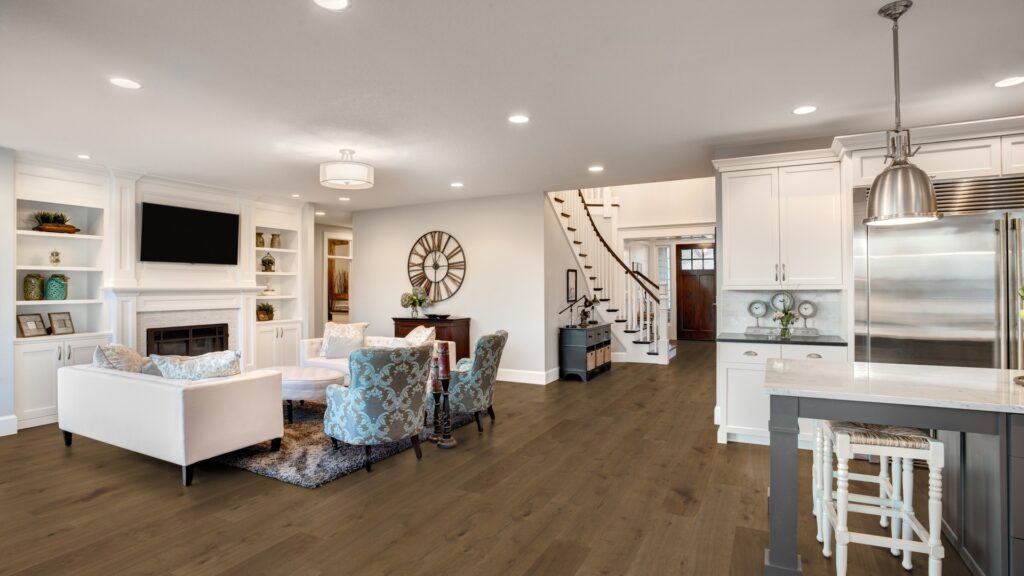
[585,352]
[454,329]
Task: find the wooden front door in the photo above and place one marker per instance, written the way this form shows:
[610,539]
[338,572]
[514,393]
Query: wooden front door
[695,286]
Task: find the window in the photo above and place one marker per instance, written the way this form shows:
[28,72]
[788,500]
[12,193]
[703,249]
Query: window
[697,259]
[665,270]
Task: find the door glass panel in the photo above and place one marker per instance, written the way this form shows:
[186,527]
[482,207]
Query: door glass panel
[686,264]
[686,254]
[709,264]
[698,264]
[709,252]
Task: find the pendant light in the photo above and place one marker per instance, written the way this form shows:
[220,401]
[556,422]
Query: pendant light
[903,193]
[346,174]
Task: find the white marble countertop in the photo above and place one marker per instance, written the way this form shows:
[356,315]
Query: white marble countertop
[938,386]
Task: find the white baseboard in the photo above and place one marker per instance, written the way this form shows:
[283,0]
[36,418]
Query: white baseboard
[525,376]
[551,375]
[8,425]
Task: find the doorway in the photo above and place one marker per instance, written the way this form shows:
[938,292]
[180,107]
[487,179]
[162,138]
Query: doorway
[695,286]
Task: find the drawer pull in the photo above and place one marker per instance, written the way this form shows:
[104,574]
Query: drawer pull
[814,355]
[750,353]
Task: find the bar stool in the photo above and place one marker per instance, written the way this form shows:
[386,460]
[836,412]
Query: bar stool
[903,446]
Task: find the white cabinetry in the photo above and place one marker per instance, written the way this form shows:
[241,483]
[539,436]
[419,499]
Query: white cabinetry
[941,160]
[277,344]
[782,227]
[1013,154]
[36,361]
[743,405]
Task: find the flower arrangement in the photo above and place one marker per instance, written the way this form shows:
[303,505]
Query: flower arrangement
[415,300]
[785,318]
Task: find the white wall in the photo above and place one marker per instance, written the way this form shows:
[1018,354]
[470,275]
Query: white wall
[558,259]
[504,287]
[8,423]
[673,203]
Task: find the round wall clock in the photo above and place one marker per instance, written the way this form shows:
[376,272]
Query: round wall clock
[438,265]
[782,301]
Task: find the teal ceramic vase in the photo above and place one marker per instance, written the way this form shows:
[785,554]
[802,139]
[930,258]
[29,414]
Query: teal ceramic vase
[56,287]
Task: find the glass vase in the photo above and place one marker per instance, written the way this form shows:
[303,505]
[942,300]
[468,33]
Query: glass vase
[785,333]
[414,312]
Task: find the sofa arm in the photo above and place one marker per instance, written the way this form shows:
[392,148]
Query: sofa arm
[310,348]
[225,414]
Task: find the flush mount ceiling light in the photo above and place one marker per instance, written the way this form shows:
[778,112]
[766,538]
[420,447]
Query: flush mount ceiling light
[801,110]
[125,83]
[596,168]
[332,5]
[457,184]
[519,118]
[1011,81]
[84,157]
[346,174]
[902,194]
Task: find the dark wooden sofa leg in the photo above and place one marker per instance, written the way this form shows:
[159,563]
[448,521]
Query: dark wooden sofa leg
[334,443]
[416,446]
[275,444]
[367,458]
[186,474]
[67,437]
[479,426]
[490,412]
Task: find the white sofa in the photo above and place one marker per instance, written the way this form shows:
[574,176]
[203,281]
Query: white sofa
[311,357]
[182,422]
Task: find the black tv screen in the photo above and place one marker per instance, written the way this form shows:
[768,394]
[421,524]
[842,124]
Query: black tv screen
[172,234]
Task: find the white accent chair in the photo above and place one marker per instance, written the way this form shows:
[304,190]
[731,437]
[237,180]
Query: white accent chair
[180,421]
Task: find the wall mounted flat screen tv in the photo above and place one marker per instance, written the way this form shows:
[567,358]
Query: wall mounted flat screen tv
[172,234]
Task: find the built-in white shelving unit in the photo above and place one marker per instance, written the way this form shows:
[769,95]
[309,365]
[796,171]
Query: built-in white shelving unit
[284,278]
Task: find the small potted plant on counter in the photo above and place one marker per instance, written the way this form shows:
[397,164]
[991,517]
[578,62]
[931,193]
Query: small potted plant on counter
[264,311]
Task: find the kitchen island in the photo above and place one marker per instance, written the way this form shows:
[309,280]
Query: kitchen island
[965,400]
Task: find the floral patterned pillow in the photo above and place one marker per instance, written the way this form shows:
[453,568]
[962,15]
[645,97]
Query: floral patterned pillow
[118,357]
[420,335]
[212,365]
[341,339]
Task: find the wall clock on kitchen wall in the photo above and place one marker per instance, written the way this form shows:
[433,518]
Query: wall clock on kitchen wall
[437,264]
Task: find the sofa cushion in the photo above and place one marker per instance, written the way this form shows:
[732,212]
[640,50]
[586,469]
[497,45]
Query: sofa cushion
[118,357]
[341,339]
[339,364]
[212,365]
[420,335]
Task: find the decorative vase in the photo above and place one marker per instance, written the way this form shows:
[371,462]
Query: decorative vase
[56,287]
[55,257]
[785,332]
[260,242]
[275,240]
[263,316]
[268,262]
[32,287]
[414,312]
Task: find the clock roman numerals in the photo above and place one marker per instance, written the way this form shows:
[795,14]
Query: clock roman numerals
[437,264]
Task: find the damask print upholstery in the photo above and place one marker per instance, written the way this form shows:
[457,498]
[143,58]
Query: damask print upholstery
[212,365]
[385,397]
[471,388]
[118,357]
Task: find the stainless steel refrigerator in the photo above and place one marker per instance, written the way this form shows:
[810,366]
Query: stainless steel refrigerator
[946,293]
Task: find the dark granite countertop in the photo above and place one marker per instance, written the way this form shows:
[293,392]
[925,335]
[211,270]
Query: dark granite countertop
[805,340]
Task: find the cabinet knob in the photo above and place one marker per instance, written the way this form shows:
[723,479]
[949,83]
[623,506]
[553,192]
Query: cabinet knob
[814,355]
[750,353]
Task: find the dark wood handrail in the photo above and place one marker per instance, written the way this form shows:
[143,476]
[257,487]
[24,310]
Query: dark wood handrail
[649,281]
[622,264]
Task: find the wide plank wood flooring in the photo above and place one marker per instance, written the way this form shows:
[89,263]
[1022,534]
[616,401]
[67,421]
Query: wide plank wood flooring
[621,475]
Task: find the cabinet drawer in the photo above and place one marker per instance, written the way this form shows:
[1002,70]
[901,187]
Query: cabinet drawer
[747,353]
[800,352]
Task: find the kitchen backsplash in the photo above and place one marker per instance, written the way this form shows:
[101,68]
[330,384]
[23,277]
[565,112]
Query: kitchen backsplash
[733,315]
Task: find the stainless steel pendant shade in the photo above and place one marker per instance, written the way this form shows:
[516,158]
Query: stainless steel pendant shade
[903,193]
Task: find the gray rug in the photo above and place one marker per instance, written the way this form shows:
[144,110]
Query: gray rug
[307,458]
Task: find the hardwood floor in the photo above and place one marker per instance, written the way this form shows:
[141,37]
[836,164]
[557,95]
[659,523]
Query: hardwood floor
[621,475]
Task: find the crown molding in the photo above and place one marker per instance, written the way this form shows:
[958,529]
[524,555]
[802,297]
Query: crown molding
[927,134]
[819,156]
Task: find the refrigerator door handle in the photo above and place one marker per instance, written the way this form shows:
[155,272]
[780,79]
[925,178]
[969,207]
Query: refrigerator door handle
[1001,287]
[1018,349]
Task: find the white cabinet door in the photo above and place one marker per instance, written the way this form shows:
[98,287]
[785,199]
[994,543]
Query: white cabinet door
[746,404]
[750,229]
[941,160]
[1013,154]
[35,381]
[78,352]
[266,346]
[810,226]
[288,345]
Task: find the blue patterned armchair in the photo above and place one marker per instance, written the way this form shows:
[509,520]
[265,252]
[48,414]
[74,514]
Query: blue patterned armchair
[384,399]
[471,389]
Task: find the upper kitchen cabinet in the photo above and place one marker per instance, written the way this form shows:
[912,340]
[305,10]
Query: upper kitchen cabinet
[1013,154]
[782,226]
[973,158]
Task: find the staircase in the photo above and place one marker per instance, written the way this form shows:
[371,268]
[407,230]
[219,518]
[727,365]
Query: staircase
[633,304]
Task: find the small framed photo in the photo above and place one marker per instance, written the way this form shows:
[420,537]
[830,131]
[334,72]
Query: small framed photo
[570,285]
[60,323]
[30,325]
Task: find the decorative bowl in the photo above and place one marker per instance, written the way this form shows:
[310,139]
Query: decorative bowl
[438,316]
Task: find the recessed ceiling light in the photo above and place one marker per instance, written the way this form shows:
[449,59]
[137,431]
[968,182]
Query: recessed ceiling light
[320,213]
[596,168]
[295,196]
[801,110]
[84,157]
[519,118]
[457,184]
[125,83]
[344,198]
[1011,81]
[332,5]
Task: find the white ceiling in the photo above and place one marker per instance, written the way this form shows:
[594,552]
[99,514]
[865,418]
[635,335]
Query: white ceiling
[253,94]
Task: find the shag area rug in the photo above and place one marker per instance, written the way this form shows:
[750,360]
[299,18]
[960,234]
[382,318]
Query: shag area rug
[306,457]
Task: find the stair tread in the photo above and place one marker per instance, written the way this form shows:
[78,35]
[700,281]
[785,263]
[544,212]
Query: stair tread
[588,267]
[577,242]
[642,341]
[559,200]
[652,353]
[570,229]
[605,299]
[592,277]
[564,215]
[630,331]
[621,321]
[612,310]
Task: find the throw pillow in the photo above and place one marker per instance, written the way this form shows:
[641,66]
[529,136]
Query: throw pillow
[118,357]
[212,365]
[341,339]
[420,335]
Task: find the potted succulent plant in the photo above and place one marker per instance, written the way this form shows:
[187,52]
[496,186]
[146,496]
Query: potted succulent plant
[264,311]
[57,222]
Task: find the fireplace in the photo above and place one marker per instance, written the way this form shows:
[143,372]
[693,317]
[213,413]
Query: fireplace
[187,340]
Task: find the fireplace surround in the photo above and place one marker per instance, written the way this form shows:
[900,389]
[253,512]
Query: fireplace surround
[187,340]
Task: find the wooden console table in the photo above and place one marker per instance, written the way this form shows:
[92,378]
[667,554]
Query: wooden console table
[454,329]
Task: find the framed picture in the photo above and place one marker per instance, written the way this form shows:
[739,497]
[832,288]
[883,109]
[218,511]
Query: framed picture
[30,325]
[570,285]
[60,323]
